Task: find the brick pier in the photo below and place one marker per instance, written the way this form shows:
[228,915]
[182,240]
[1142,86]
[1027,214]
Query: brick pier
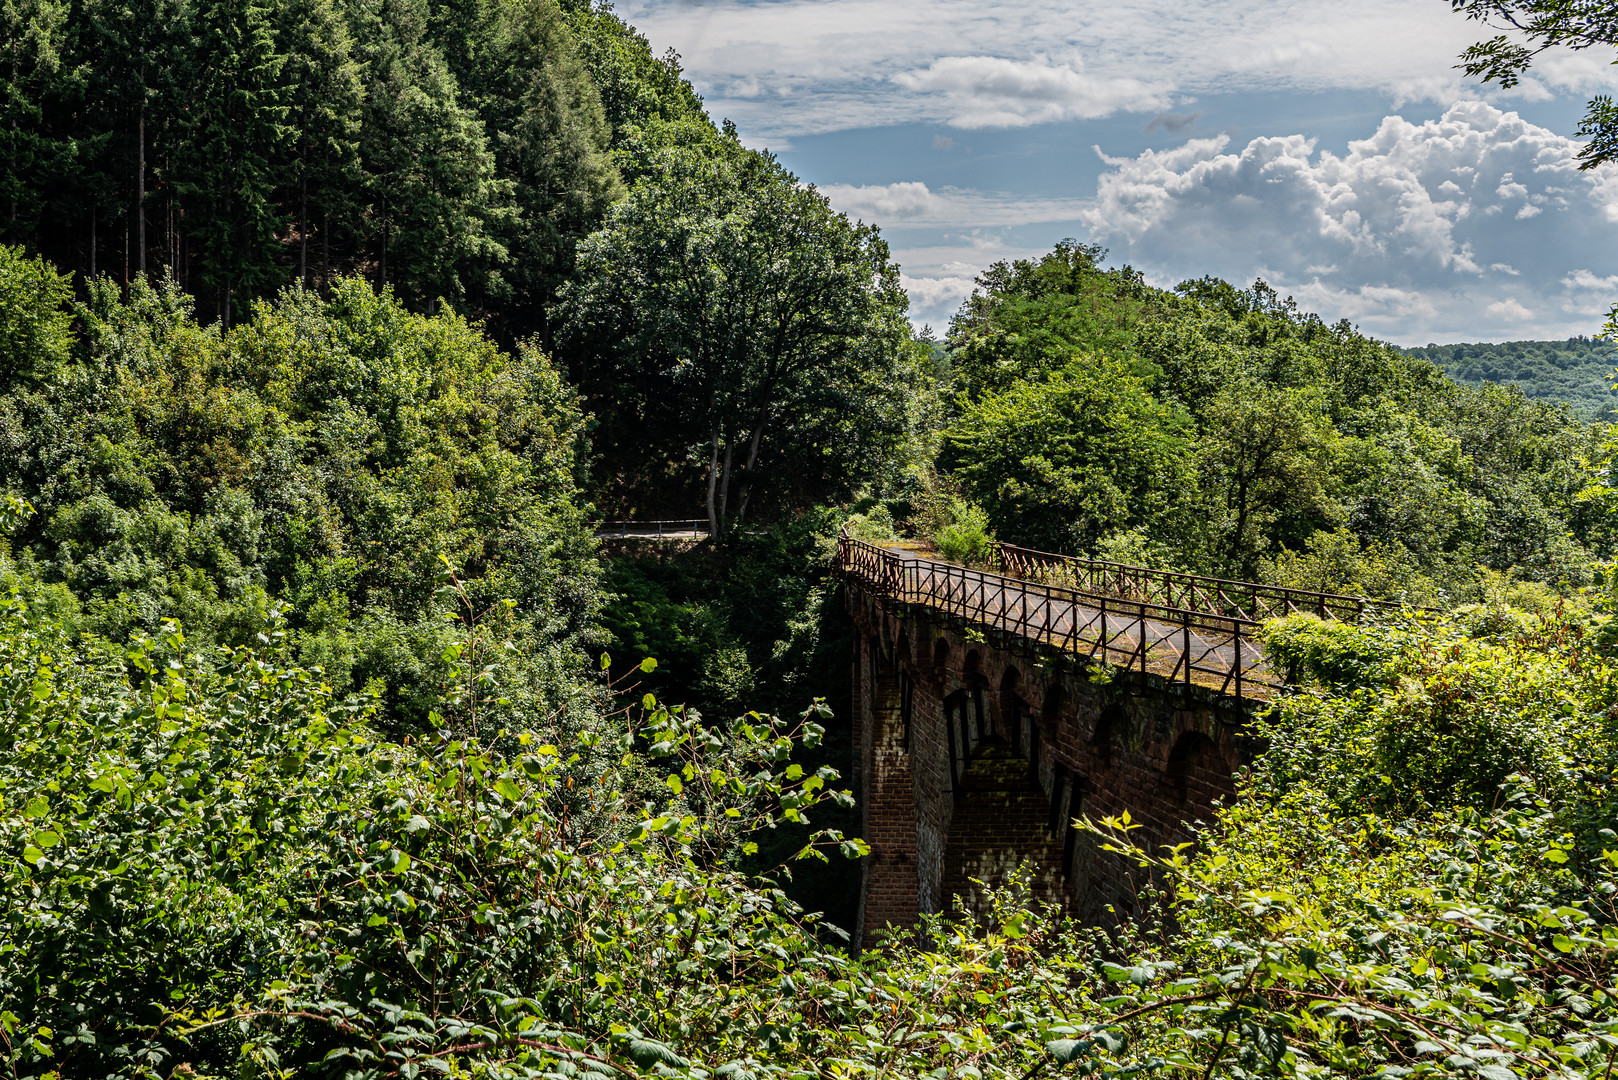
[973,753]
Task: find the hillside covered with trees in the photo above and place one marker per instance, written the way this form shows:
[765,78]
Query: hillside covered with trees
[1577,371]
[333,742]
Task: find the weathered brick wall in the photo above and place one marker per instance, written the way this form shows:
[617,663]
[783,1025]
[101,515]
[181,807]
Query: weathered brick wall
[1001,820]
[931,789]
[890,883]
[1005,745]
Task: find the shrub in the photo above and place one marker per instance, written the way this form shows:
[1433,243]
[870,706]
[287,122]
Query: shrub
[968,539]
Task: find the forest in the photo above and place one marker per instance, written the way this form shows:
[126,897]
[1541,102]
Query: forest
[1577,371]
[333,742]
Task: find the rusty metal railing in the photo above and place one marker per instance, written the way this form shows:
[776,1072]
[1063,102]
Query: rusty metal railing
[1189,592]
[1180,645]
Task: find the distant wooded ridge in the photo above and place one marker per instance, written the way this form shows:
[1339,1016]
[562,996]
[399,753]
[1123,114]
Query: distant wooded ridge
[1577,371]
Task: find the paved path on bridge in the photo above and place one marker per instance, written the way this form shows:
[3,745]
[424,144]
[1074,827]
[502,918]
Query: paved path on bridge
[1166,643]
[652,530]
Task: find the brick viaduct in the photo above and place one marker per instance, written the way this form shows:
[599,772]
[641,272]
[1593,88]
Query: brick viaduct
[974,749]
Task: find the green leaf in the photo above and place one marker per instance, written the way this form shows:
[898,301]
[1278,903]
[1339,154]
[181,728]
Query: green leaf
[1563,943]
[509,790]
[32,854]
[649,664]
[1066,1051]
[37,807]
[648,1053]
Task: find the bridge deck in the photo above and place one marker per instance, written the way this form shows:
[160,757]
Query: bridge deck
[1196,648]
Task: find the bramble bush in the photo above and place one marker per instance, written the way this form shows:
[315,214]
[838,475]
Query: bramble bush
[212,864]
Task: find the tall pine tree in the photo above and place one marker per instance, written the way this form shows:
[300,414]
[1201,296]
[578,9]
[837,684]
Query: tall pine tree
[235,135]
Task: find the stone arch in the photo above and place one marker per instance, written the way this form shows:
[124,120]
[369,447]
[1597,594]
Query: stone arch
[999,819]
[1196,773]
[963,734]
[1009,709]
[1051,707]
[1109,732]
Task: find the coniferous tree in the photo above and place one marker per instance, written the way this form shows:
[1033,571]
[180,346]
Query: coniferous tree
[31,36]
[234,138]
[324,99]
[435,206]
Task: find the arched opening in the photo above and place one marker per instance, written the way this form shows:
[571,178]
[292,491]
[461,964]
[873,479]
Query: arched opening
[1000,820]
[1196,774]
[1109,731]
[1009,718]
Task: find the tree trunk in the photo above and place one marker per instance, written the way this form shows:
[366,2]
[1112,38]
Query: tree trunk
[713,478]
[140,190]
[303,233]
[16,174]
[724,481]
[1241,520]
[747,470]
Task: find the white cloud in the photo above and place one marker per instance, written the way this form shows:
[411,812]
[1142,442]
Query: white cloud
[790,67]
[931,297]
[912,202]
[882,202]
[1401,233]
[991,91]
[1585,280]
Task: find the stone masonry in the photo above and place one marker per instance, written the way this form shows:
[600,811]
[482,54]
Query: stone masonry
[973,754]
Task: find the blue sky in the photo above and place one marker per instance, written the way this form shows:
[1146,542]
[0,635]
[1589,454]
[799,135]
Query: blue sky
[1329,148]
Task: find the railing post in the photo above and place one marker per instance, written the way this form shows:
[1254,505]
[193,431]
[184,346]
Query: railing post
[1236,638]
[1185,649]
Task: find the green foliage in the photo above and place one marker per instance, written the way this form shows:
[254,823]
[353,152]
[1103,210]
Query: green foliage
[1030,317]
[875,524]
[1434,714]
[35,322]
[452,151]
[1577,371]
[211,863]
[727,307]
[321,455]
[966,538]
[1060,460]
[1224,431]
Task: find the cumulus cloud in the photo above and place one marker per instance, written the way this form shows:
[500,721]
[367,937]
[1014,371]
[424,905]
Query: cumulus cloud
[792,67]
[1509,310]
[1421,231]
[992,91]
[883,202]
[912,202]
[933,296]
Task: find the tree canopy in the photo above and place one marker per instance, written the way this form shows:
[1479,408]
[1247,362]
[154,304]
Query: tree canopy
[730,310]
